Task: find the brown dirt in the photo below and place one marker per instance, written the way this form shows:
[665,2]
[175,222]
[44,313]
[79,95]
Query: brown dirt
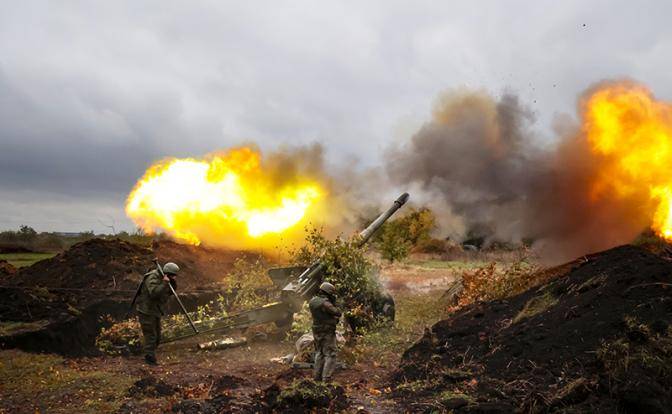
[6,270]
[117,264]
[93,264]
[239,380]
[75,289]
[547,361]
[201,266]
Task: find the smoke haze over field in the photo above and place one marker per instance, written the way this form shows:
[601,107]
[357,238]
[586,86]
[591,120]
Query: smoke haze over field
[475,154]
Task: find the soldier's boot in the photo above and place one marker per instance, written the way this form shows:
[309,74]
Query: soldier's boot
[329,366]
[319,366]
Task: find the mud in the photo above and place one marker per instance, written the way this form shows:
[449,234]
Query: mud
[538,351]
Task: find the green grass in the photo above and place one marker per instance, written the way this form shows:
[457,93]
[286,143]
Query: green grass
[25,259]
[536,305]
[447,264]
[48,383]
[414,312]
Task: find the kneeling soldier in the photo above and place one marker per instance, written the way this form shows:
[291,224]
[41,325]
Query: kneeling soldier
[154,294]
[325,318]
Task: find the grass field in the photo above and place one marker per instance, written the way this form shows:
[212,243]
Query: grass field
[447,264]
[25,259]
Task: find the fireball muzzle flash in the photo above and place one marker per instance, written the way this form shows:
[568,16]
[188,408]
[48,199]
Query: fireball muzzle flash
[231,198]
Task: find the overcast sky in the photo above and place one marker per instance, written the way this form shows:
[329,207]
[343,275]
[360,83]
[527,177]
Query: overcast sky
[92,92]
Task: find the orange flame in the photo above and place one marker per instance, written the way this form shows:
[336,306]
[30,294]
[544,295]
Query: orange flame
[227,199]
[631,134]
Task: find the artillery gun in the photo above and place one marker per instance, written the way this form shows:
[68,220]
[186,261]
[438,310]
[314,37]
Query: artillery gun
[298,285]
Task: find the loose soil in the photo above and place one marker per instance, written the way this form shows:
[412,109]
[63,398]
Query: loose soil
[71,293]
[560,347]
[239,380]
[548,349]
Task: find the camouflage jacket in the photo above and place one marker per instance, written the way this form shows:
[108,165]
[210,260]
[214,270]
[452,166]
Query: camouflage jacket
[325,314]
[153,295]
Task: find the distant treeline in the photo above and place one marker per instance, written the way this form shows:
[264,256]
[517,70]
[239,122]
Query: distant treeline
[27,239]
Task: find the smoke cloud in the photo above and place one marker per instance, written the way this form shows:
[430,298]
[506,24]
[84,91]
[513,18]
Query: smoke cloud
[477,163]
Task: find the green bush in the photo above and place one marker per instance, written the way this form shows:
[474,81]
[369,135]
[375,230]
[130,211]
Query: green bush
[399,236]
[247,280]
[347,268]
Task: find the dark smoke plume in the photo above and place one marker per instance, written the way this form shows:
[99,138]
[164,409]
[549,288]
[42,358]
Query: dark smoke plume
[477,162]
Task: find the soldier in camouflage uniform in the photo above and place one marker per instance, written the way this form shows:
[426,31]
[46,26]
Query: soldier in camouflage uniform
[325,318]
[154,294]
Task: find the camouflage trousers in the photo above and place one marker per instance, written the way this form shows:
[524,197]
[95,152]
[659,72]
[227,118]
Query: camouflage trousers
[151,333]
[325,355]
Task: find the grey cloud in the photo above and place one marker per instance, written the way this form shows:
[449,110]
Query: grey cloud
[92,92]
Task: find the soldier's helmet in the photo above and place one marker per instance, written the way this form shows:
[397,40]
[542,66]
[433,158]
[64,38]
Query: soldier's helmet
[171,268]
[327,287]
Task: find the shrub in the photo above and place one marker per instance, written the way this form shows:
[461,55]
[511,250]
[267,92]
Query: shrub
[392,243]
[433,246]
[492,282]
[348,270]
[399,236]
[246,282]
[120,338]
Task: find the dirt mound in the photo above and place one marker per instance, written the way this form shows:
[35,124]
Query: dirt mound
[116,264]
[72,293]
[93,264]
[216,405]
[201,266]
[596,339]
[306,395]
[6,270]
[151,387]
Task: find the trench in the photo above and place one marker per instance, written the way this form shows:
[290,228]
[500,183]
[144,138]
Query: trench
[75,336]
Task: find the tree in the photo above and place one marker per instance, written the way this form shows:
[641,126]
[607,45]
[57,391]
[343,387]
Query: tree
[398,236]
[27,233]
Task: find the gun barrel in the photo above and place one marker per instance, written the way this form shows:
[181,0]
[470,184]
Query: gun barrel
[366,234]
[307,282]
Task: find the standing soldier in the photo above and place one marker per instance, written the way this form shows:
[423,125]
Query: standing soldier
[325,318]
[154,293]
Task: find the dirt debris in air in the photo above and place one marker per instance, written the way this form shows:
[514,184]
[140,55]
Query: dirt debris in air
[596,338]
